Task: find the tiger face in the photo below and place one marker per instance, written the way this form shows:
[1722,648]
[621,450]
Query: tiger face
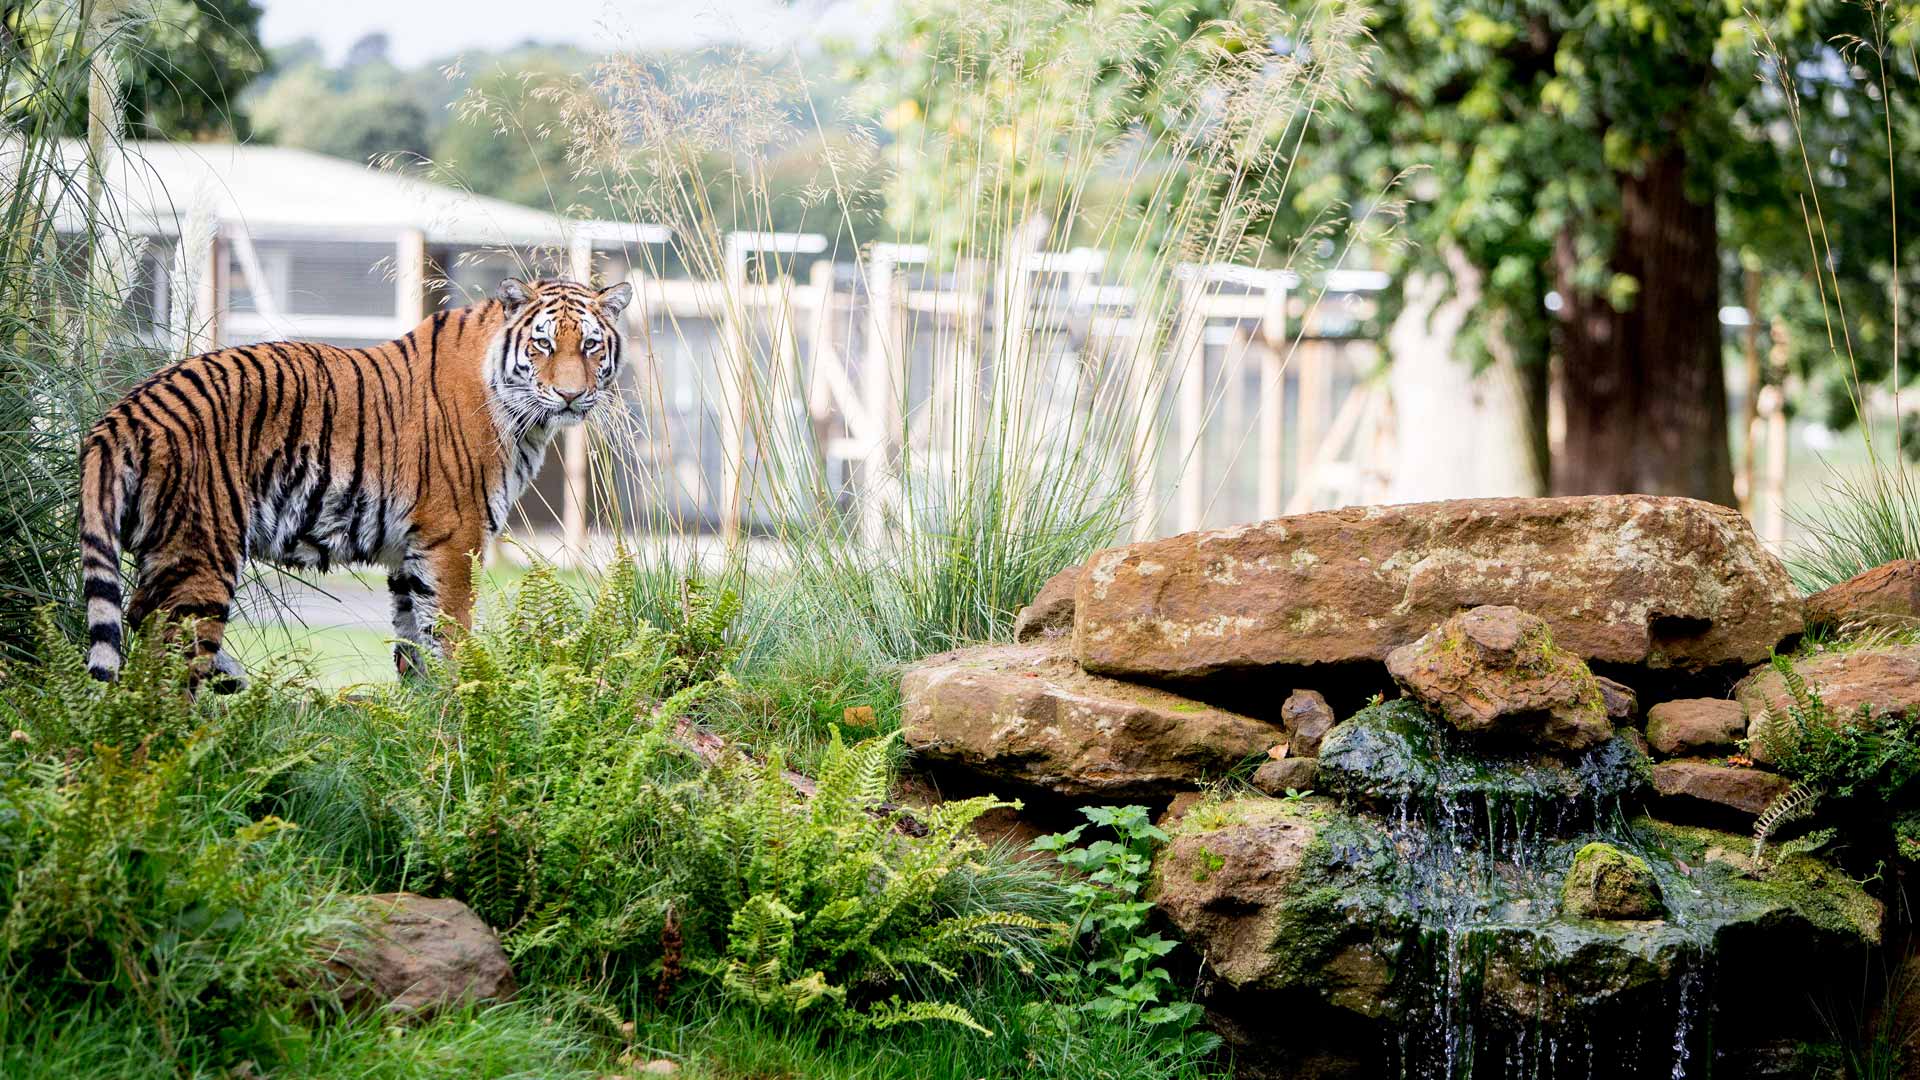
[559,350]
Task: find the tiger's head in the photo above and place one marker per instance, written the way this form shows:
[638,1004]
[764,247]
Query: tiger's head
[558,352]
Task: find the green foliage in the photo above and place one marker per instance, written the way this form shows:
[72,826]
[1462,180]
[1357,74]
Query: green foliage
[1867,756]
[553,780]
[1864,521]
[64,350]
[833,894]
[180,64]
[133,870]
[534,783]
[1125,978]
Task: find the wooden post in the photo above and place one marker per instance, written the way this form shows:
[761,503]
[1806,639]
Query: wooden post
[1773,526]
[732,373]
[573,445]
[410,278]
[820,353]
[1315,383]
[882,384]
[210,303]
[1189,358]
[1271,478]
[1750,427]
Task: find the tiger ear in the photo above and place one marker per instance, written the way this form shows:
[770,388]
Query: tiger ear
[515,293]
[615,298]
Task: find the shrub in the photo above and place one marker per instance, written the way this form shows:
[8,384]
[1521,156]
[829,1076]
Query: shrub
[550,781]
[132,866]
[1868,759]
[830,896]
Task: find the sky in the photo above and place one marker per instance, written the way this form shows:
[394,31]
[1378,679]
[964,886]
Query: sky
[420,31]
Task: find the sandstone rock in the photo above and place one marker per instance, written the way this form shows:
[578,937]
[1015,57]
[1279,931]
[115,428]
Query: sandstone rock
[1607,883]
[1886,680]
[1716,785]
[1690,727]
[1307,718]
[1496,671]
[1887,595]
[1050,612]
[1663,583]
[1287,774]
[1027,715]
[1621,702]
[1239,893]
[420,954]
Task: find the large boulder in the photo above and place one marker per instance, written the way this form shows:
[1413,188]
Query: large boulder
[419,954]
[1026,715]
[1885,680]
[1496,671]
[1663,583]
[1887,595]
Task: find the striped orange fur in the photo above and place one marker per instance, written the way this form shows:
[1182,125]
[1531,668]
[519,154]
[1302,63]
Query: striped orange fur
[405,455]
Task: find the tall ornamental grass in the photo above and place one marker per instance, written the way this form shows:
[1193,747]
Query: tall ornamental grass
[1009,440]
[65,348]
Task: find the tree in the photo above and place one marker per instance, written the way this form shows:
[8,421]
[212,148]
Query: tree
[1581,177]
[307,108]
[1600,166]
[181,64]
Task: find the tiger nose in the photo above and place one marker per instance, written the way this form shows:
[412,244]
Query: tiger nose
[569,396]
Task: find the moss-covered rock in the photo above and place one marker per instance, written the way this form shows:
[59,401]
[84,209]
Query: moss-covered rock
[1375,917]
[1495,671]
[1397,754]
[1607,883]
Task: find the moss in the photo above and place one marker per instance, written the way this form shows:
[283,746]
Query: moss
[1607,883]
[1399,751]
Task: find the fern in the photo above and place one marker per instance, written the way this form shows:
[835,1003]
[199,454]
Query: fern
[1794,804]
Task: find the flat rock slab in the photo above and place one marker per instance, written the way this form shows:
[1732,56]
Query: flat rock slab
[1887,595]
[1885,680]
[1663,583]
[1026,715]
[1718,785]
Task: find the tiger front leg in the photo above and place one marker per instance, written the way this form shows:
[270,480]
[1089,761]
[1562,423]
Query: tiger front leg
[432,595]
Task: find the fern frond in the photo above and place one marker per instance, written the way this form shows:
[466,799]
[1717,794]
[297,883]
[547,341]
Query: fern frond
[1793,804]
[892,1012]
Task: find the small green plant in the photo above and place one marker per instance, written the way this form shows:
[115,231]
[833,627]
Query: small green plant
[1127,981]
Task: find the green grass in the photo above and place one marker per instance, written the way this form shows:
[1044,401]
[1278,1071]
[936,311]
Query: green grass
[732,1044]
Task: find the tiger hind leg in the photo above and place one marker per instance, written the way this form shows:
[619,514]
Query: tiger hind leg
[193,594]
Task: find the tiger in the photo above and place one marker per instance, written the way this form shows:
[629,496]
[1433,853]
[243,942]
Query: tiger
[405,456]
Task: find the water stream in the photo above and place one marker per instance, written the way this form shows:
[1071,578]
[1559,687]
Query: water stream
[1468,849]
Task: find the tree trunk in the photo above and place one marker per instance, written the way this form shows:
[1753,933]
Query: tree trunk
[1459,433]
[1645,397]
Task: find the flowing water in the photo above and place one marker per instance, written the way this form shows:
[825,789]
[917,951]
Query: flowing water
[1468,850]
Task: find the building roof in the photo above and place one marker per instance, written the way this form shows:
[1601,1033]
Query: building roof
[280,191]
